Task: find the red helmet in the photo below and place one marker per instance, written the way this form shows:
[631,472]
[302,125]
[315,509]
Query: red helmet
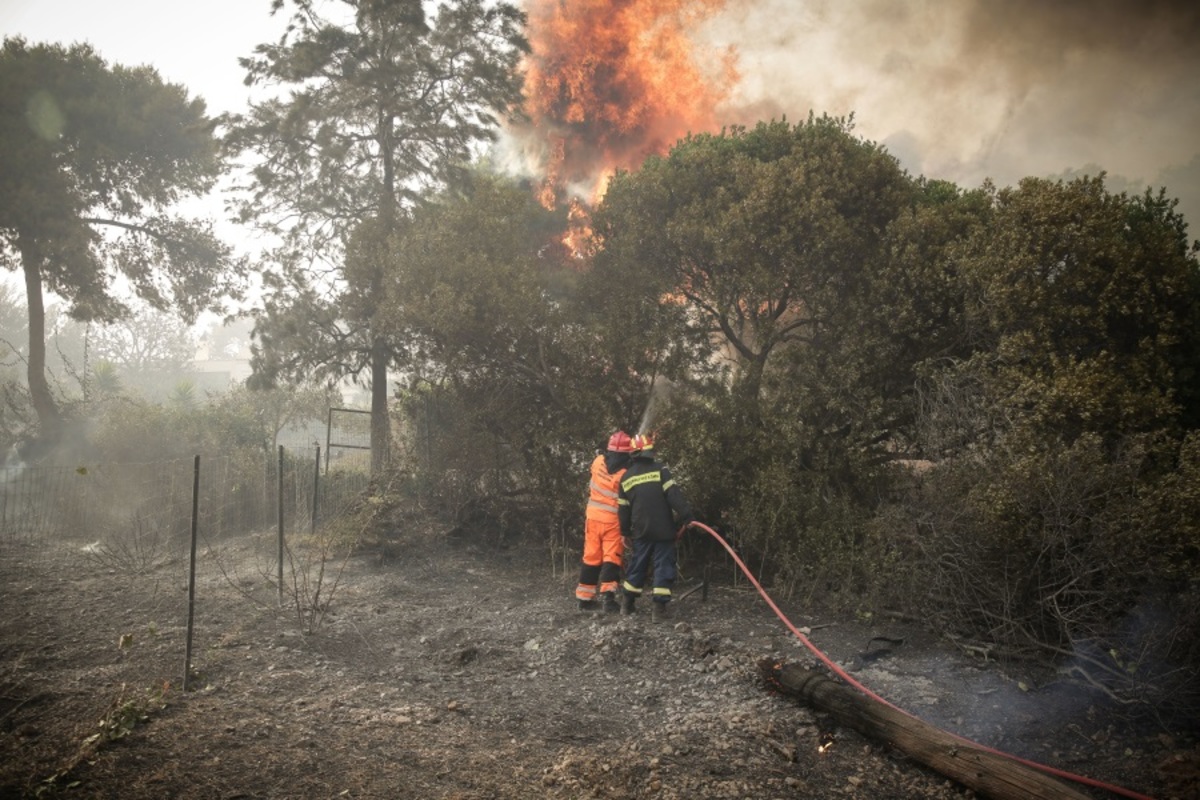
[619,442]
[641,442]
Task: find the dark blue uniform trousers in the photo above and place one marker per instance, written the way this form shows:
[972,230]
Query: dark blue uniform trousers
[662,556]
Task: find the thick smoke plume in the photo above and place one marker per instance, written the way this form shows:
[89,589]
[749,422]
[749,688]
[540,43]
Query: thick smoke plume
[963,91]
[976,89]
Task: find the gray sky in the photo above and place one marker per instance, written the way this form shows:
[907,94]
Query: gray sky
[958,89]
[196,44]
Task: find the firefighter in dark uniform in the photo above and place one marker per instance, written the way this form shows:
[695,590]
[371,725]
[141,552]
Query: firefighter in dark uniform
[651,508]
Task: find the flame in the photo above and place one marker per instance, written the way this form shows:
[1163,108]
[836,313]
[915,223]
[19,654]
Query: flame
[610,82]
[579,237]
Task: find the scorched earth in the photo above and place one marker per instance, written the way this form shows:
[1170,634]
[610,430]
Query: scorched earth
[453,670]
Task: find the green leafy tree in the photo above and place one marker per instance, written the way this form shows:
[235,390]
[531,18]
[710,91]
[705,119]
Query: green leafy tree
[768,241]
[1085,304]
[508,374]
[906,311]
[1065,430]
[379,108]
[92,159]
[760,232]
[275,409]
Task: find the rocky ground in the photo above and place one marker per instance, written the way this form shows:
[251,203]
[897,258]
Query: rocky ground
[454,671]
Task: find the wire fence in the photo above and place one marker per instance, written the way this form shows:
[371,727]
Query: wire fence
[262,524]
[141,513]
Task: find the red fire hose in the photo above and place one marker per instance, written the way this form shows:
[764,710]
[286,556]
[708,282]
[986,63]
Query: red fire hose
[841,673]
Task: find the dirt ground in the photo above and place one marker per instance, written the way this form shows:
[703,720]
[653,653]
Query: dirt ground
[455,671]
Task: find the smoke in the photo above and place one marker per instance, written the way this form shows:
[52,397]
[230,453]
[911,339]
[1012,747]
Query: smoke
[982,89]
[962,91]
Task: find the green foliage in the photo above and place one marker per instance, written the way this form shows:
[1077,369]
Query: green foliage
[1085,302]
[261,415]
[106,379]
[1075,551]
[93,159]
[378,109]
[1060,511]
[509,390]
[766,249]
[135,431]
[762,233]
[241,421]
[1166,537]
[377,112]
[183,395]
[470,288]
[824,558]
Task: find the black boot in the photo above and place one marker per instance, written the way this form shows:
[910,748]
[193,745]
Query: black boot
[588,605]
[611,605]
[627,600]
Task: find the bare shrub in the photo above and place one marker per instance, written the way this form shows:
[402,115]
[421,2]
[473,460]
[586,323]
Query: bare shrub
[136,548]
[315,569]
[316,562]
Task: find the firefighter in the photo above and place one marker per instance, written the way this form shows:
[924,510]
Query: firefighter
[602,544]
[651,508]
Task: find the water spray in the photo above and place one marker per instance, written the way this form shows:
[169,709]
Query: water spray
[660,391]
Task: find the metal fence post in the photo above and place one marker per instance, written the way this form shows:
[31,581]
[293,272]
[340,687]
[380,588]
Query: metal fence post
[191,613]
[316,488]
[279,554]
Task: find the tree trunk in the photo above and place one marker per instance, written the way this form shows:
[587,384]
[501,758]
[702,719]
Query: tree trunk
[381,424]
[49,417]
[989,774]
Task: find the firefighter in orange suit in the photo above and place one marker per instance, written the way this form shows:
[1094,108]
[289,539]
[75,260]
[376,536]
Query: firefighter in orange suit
[602,545]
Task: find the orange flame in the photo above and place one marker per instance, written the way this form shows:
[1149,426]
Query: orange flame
[610,82]
[579,238]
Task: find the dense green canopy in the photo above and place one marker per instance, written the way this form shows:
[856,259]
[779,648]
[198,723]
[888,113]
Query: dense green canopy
[977,405]
[92,158]
[375,111]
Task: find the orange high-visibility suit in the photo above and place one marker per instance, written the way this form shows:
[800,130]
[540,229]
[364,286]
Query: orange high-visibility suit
[602,545]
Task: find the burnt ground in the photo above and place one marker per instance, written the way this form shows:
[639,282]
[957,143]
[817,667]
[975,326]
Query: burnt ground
[454,671]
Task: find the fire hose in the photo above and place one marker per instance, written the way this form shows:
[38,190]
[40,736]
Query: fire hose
[841,673]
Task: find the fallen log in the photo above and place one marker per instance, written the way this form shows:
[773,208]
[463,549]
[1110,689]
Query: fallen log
[989,774]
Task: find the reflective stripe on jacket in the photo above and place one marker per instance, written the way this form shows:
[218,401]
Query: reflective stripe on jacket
[651,505]
[602,491]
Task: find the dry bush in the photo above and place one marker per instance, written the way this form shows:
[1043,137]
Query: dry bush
[1044,555]
[138,547]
